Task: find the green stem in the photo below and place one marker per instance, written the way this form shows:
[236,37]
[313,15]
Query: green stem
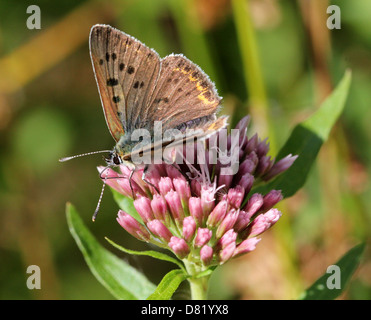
[199,286]
[252,68]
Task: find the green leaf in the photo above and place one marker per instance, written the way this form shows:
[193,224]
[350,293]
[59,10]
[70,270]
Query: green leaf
[169,283]
[126,204]
[150,253]
[347,265]
[122,280]
[206,272]
[306,141]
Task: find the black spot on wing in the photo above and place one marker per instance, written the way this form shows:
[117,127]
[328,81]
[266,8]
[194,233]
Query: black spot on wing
[204,84]
[112,82]
[131,70]
[196,75]
[116,99]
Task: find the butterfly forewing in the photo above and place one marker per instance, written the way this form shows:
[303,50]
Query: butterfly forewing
[126,72]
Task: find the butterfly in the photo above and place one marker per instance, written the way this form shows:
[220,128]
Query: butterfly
[137,89]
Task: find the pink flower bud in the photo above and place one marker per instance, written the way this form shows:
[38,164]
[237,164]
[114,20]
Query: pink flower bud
[125,171]
[262,148]
[235,196]
[108,172]
[181,186]
[159,230]
[229,237]
[179,247]
[264,221]
[121,184]
[165,185]
[242,221]
[217,215]
[254,204]
[207,199]
[206,254]
[175,205]
[265,164]
[246,246]
[246,182]
[143,206]
[242,124]
[203,236]
[227,223]
[195,210]
[153,175]
[279,167]
[227,253]
[189,228]
[273,215]
[159,208]
[133,226]
[271,199]
[252,144]
[136,181]
[247,166]
[253,157]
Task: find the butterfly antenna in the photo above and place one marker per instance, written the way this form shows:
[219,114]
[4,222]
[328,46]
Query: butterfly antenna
[82,155]
[100,197]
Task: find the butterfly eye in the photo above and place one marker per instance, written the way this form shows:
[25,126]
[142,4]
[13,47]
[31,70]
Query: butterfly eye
[113,159]
[116,159]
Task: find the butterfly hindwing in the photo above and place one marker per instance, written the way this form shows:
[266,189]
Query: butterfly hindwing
[183,93]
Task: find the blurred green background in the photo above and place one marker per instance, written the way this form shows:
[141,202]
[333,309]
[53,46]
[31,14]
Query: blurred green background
[275,60]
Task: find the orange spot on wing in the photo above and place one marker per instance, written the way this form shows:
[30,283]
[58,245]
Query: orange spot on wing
[204,99]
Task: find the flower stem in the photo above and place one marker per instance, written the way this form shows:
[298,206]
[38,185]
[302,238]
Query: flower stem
[199,286]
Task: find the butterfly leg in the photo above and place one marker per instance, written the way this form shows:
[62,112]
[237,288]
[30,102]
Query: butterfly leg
[131,186]
[146,181]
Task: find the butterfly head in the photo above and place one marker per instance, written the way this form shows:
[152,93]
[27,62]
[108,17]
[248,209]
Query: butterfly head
[117,157]
[113,159]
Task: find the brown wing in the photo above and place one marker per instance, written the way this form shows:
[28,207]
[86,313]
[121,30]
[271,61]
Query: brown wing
[183,93]
[126,72]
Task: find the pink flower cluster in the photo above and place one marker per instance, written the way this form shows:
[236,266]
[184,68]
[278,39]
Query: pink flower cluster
[198,213]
